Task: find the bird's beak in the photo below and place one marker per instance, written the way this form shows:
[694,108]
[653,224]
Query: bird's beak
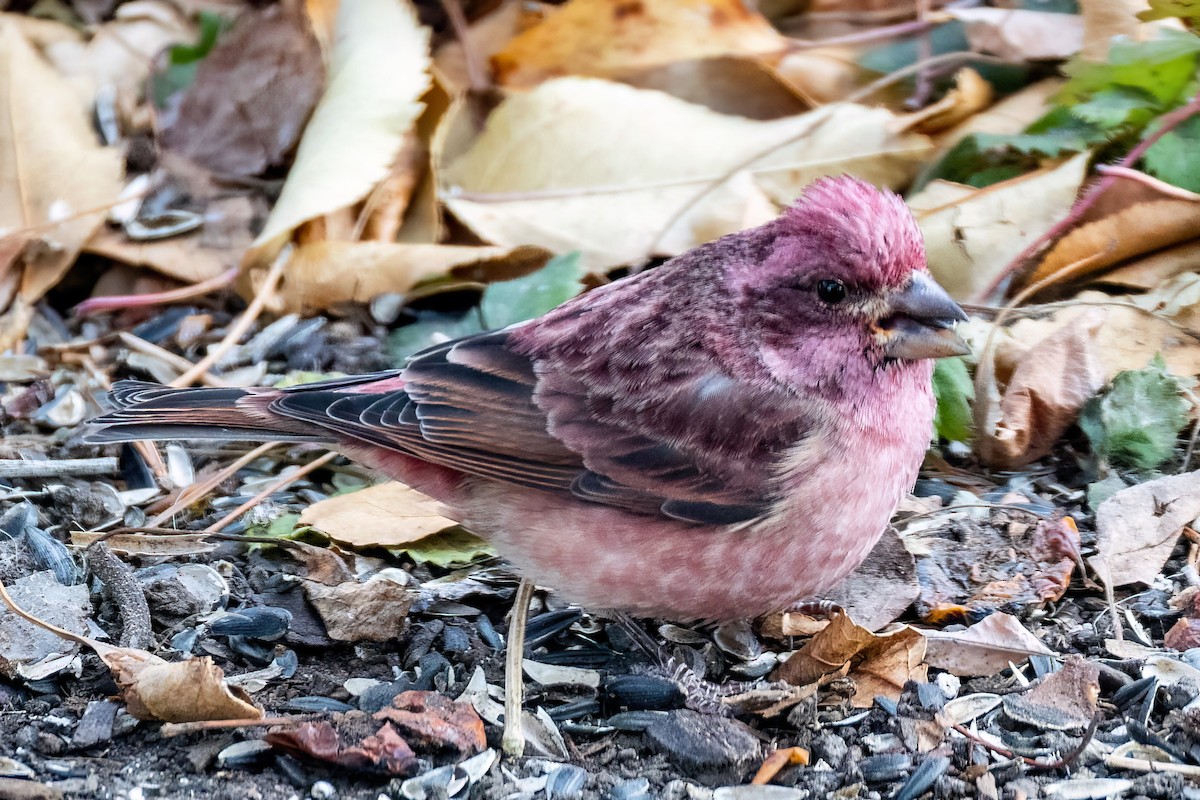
[921,322]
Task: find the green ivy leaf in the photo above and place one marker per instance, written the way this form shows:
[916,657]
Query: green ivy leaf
[532,295]
[502,304]
[449,547]
[1175,158]
[954,390]
[1137,420]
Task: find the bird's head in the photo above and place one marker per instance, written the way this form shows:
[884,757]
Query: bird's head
[840,281]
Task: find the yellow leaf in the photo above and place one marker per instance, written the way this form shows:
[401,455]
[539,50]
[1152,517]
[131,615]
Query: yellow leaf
[387,515]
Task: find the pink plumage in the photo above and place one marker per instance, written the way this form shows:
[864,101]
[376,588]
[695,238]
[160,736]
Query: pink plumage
[715,438]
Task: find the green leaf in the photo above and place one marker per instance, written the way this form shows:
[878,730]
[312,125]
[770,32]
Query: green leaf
[300,376]
[425,333]
[1118,106]
[506,302]
[1175,158]
[1171,9]
[1137,420]
[954,390]
[452,546]
[1162,67]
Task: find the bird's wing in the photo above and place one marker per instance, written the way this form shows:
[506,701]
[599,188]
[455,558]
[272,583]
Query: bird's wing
[703,454]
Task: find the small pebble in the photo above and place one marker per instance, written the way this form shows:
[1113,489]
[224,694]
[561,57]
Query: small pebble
[322,790]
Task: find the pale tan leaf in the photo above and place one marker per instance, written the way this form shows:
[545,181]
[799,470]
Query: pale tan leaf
[607,38]
[1011,115]
[1020,34]
[361,612]
[56,180]
[1042,398]
[970,95]
[1137,528]
[378,71]
[541,172]
[386,515]
[1104,19]
[183,691]
[972,234]
[985,648]
[879,663]
[317,273]
[1134,216]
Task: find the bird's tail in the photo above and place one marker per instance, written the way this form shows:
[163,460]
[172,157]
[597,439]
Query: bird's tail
[150,411]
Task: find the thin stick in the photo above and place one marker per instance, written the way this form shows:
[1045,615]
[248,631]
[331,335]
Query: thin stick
[21,468]
[1167,123]
[283,482]
[476,74]
[513,739]
[239,328]
[180,363]
[95,305]
[197,490]
[169,729]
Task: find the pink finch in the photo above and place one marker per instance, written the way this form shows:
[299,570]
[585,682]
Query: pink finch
[716,438]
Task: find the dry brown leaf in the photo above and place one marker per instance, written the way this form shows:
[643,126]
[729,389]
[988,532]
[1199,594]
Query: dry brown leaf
[985,648]
[1127,338]
[1133,217]
[1104,19]
[379,69]
[1063,700]
[584,164]
[882,587]
[373,611]
[485,37]
[186,691]
[821,75]
[972,234]
[608,38]
[56,180]
[1019,34]
[317,273]
[385,515]
[1155,269]
[1137,528]
[743,87]
[183,691]
[970,95]
[1042,398]
[881,662]
[252,94]
[1011,115]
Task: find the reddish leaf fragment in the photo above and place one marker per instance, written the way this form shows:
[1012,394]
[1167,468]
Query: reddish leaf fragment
[1184,635]
[383,751]
[434,722]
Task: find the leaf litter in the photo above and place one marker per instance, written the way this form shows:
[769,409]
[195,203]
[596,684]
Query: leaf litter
[1021,631]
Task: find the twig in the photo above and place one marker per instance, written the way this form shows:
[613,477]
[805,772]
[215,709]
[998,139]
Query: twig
[168,729]
[125,592]
[239,328]
[21,468]
[1033,763]
[476,75]
[94,305]
[180,363]
[1167,123]
[286,480]
[513,738]
[873,34]
[197,490]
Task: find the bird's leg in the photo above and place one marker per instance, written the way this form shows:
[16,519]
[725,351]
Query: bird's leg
[513,739]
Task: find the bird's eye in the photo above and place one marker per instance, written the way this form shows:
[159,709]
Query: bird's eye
[831,291]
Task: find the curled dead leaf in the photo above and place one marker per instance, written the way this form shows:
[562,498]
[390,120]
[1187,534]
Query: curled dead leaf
[1019,420]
